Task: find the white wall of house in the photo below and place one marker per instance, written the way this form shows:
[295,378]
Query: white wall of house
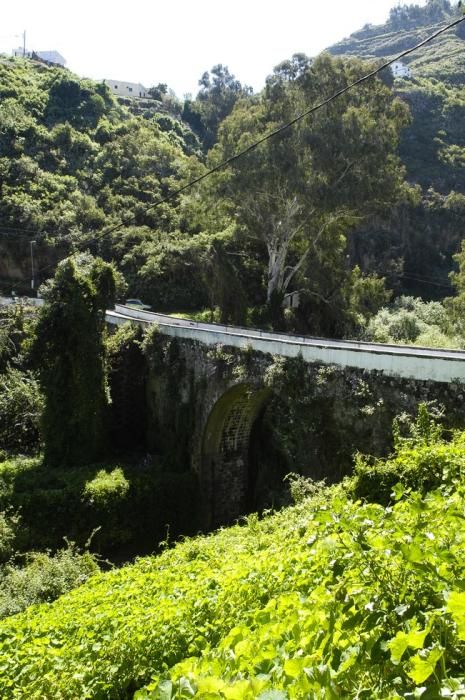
[126,89]
[400,70]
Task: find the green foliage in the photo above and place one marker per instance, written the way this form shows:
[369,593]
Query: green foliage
[127,373]
[302,487]
[69,354]
[21,401]
[106,488]
[21,405]
[128,506]
[8,527]
[366,603]
[43,577]
[219,92]
[421,462]
[299,202]
[456,304]
[368,294]
[415,322]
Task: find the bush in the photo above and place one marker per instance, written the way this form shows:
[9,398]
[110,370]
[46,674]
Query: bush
[302,487]
[328,599]
[130,506]
[106,488]
[411,320]
[21,405]
[422,461]
[8,523]
[43,578]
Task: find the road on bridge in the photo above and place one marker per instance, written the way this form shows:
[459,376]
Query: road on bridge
[427,364]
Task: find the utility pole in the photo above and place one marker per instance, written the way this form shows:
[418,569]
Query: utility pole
[33,243]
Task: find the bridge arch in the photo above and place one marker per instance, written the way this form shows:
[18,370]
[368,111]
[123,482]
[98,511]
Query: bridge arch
[225,451]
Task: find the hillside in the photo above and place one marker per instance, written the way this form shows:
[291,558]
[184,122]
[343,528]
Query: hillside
[433,147]
[407,26]
[329,599]
[420,238]
[73,160]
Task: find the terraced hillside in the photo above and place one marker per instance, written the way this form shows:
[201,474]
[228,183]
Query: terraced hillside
[443,59]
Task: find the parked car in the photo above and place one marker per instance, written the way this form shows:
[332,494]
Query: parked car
[137,304]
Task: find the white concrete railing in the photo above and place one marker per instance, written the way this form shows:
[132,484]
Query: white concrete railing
[394,360]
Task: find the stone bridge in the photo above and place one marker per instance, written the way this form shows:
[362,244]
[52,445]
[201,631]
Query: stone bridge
[209,385]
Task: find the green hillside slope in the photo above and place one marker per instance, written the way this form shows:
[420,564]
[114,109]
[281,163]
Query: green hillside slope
[407,26]
[329,599]
[73,160]
[433,148]
[420,238]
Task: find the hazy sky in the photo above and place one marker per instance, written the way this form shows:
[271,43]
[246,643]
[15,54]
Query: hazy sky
[174,42]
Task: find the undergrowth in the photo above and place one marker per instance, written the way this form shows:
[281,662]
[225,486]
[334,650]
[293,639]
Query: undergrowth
[332,598]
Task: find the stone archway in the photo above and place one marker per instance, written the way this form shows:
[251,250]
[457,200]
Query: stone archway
[225,452]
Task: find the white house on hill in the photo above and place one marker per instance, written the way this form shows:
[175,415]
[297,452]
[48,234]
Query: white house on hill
[400,70]
[124,89]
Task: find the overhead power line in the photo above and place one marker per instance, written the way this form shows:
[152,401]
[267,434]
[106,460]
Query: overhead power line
[276,132]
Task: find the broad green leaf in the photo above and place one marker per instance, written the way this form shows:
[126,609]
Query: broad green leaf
[210,684]
[293,667]
[398,491]
[398,646]
[414,639]
[456,607]
[421,669]
[241,690]
[165,691]
[412,553]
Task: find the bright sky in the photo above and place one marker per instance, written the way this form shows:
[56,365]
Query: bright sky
[174,42]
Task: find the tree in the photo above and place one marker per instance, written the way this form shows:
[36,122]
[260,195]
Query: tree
[219,92]
[456,305]
[300,192]
[68,351]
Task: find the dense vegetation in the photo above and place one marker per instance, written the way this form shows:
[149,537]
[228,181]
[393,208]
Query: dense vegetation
[74,162]
[413,247]
[357,591]
[367,602]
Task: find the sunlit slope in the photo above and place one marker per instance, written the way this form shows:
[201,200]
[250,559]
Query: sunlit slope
[441,59]
[328,599]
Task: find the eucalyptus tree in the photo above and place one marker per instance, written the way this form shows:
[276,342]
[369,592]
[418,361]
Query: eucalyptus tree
[301,191]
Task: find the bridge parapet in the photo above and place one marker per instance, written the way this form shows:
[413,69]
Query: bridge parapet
[424,364]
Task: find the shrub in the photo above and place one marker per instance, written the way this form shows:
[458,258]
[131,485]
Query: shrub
[411,320]
[302,487]
[8,523]
[328,599]
[130,508]
[43,578]
[106,488]
[422,461]
[21,405]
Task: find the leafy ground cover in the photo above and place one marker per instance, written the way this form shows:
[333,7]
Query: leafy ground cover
[127,505]
[333,598]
